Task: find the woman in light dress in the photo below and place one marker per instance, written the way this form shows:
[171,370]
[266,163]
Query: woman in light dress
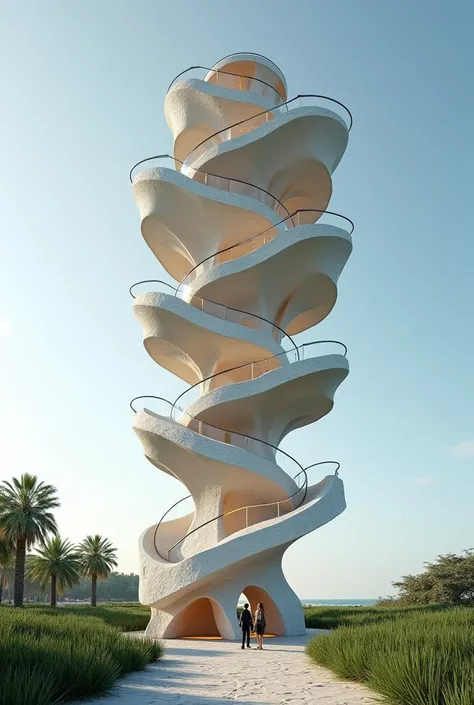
[260,624]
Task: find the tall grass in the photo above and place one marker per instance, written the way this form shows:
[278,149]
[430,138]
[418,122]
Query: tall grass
[411,657]
[333,617]
[49,657]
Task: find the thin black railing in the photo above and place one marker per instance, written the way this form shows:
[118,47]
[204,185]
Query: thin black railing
[251,53]
[278,452]
[206,173]
[203,425]
[226,73]
[161,521]
[254,363]
[291,217]
[284,334]
[264,112]
[241,509]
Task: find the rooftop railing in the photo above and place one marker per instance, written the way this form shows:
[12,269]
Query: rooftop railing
[249,124]
[230,80]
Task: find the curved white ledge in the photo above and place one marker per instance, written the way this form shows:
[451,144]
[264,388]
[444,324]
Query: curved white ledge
[196,109]
[173,448]
[292,156]
[200,463]
[173,580]
[291,281]
[193,344]
[254,407]
[184,221]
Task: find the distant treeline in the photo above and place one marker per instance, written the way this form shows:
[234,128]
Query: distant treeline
[119,587]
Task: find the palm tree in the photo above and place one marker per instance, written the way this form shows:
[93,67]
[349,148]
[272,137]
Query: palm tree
[57,561]
[6,562]
[25,518]
[98,557]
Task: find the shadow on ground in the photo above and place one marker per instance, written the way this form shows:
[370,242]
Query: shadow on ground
[198,673]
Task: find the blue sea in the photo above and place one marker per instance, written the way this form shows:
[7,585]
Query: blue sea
[353,602]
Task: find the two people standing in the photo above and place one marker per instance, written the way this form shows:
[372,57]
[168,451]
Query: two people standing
[248,623]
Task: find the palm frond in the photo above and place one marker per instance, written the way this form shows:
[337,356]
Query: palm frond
[97,555]
[25,509]
[55,557]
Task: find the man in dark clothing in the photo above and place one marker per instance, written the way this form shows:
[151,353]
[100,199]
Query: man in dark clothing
[246,624]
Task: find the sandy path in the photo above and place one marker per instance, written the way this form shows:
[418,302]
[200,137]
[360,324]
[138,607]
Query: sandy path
[216,672]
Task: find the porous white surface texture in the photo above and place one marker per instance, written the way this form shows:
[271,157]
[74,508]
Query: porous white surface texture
[215,673]
[248,277]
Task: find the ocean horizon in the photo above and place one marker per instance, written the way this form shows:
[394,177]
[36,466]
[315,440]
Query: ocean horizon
[334,602]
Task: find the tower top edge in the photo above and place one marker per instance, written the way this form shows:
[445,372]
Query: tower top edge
[251,57]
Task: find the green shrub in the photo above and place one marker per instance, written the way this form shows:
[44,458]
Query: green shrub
[422,656]
[49,656]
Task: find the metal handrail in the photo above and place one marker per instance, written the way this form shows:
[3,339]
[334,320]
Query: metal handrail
[214,303]
[206,173]
[253,237]
[251,53]
[224,430]
[263,112]
[255,506]
[161,521]
[239,509]
[217,428]
[189,496]
[254,362]
[227,73]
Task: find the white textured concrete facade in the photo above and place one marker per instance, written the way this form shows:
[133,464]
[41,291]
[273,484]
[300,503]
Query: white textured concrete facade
[238,217]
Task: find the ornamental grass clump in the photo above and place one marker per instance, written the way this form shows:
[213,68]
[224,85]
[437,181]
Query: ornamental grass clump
[418,658]
[50,658]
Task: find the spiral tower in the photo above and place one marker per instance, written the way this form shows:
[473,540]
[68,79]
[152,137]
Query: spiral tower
[238,217]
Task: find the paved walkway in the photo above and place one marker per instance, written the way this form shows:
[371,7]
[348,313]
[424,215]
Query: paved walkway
[217,672]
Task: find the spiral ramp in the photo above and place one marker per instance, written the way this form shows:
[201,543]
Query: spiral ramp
[238,217]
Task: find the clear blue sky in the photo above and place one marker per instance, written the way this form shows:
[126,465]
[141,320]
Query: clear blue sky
[83,86]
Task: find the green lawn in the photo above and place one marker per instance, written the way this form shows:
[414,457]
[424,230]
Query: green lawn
[126,616]
[411,656]
[53,655]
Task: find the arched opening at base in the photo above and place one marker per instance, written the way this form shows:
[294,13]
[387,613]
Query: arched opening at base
[197,619]
[275,623]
